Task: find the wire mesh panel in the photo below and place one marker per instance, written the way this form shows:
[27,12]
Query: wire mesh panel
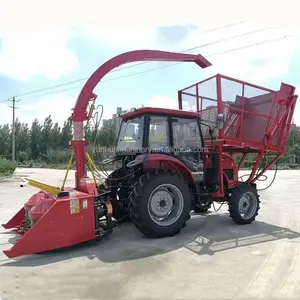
[247,109]
[231,93]
[208,104]
[259,112]
[189,99]
[189,102]
[252,114]
[202,97]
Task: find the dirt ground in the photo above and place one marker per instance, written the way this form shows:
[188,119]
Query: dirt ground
[211,258]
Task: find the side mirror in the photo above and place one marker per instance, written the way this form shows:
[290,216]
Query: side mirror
[220,121]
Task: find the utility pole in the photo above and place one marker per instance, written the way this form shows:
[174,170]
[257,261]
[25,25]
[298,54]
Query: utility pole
[13,99]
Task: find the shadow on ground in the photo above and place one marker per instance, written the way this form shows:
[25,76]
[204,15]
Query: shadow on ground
[204,235]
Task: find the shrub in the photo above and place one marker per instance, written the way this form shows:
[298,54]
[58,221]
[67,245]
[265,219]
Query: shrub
[7,167]
[23,157]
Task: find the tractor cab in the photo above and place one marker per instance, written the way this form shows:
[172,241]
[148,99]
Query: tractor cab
[164,131]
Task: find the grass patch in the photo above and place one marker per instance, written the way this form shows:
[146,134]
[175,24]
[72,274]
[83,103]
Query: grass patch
[7,167]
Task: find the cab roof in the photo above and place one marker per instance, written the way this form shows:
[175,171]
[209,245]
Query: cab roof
[159,111]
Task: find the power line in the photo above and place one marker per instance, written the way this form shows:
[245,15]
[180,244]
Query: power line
[249,46]
[170,65]
[142,63]
[228,39]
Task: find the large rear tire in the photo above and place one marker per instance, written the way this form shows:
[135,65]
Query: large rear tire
[160,204]
[244,204]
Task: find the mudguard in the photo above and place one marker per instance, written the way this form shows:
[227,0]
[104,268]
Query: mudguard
[165,162]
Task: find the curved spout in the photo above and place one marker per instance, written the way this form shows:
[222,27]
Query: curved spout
[86,94]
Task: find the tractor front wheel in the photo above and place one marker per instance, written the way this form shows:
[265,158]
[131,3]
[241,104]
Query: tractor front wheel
[160,204]
[243,204]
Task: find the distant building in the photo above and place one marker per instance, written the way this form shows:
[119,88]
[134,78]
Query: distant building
[115,118]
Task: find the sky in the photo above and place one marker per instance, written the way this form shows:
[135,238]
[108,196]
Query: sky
[52,43]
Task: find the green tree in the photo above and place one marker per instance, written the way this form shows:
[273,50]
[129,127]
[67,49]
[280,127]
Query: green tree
[55,136]
[35,139]
[66,134]
[5,140]
[46,135]
[23,143]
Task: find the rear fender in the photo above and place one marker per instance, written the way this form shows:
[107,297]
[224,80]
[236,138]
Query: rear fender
[166,162]
[230,171]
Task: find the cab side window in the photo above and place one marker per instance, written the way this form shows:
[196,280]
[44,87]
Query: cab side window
[186,133]
[187,142]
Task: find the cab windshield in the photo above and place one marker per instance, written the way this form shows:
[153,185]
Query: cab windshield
[131,135]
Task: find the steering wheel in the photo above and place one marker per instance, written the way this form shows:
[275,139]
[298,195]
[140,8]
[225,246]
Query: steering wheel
[133,163]
[185,149]
[188,149]
[135,136]
[166,148]
[106,161]
[159,148]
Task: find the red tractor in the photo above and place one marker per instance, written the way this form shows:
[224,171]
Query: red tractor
[171,162]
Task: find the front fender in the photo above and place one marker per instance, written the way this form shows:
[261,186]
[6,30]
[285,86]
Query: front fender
[165,162]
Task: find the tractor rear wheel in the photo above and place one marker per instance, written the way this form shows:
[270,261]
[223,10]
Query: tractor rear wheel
[244,204]
[160,204]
